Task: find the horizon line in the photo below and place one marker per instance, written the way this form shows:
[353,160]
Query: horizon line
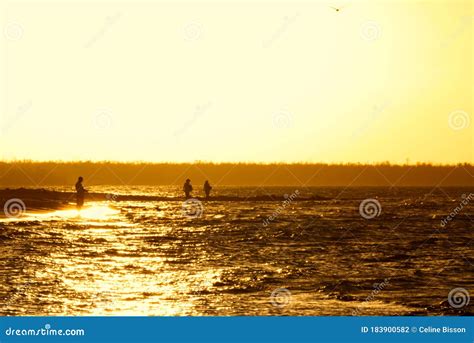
[204,162]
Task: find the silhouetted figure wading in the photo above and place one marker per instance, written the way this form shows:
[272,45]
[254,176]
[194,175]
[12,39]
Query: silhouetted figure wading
[80,191]
[187,188]
[207,188]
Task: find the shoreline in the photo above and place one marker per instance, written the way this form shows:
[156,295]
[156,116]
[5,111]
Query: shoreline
[40,199]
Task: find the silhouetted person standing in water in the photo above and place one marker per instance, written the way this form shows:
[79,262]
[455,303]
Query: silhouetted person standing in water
[207,188]
[80,191]
[187,188]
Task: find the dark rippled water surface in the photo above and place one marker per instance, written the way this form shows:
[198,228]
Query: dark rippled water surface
[241,257]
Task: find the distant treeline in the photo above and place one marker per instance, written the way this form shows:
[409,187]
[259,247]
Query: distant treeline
[38,174]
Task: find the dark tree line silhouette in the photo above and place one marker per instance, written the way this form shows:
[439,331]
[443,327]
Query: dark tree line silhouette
[37,174]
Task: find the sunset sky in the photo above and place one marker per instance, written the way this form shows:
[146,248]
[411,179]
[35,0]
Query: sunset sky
[237,81]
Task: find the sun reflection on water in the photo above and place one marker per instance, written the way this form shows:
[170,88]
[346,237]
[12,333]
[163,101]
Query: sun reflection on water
[97,212]
[94,211]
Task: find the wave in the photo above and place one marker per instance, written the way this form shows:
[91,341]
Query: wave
[43,199]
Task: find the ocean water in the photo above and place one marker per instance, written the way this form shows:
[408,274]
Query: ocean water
[357,251]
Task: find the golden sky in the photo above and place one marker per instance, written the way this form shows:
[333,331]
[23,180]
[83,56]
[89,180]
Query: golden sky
[237,81]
